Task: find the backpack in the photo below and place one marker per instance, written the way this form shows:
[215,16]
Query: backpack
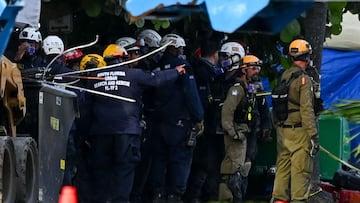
[280,98]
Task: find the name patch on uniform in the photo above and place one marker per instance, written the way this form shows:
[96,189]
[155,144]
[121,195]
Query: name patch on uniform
[111,73]
[234,92]
[111,80]
[167,66]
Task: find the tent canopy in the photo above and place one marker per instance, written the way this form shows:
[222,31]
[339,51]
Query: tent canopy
[268,16]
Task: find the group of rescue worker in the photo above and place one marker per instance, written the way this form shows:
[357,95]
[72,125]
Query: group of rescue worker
[168,129]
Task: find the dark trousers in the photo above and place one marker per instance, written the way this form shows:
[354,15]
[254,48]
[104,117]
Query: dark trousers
[71,160]
[140,190]
[112,161]
[171,158]
[205,176]
[252,147]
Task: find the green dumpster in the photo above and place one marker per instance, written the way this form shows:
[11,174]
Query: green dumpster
[334,137]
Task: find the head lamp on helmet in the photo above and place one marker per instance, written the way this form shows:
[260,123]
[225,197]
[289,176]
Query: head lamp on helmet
[299,47]
[92,61]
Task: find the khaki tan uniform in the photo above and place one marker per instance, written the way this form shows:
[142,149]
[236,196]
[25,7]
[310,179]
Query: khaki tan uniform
[294,163]
[235,149]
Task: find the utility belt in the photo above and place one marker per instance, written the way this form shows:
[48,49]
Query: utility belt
[297,125]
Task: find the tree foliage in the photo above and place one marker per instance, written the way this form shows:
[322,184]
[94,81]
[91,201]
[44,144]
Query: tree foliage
[196,29]
[349,109]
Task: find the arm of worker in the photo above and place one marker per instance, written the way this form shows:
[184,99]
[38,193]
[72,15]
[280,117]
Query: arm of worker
[233,98]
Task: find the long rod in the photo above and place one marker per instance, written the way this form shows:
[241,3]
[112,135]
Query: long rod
[71,49]
[115,65]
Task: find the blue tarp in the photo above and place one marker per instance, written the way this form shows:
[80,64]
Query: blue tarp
[340,79]
[340,76]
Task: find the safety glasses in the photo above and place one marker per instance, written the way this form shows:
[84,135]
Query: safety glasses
[255,68]
[223,55]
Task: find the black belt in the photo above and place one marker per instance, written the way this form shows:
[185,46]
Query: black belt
[298,125]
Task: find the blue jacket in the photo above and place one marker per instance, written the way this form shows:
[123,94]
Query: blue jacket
[106,115]
[178,100]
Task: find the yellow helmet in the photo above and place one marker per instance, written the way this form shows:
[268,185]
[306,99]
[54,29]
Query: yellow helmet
[251,60]
[299,47]
[92,61]
[114,50]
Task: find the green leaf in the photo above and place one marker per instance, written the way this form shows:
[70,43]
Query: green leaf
[285,62]
[157,26]
[291,31]
[336,5]
[336,17]
[140,23]
[336,29]
[92,8]
[349,109]
[165,24]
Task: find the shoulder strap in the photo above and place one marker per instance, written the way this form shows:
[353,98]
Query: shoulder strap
[292,78]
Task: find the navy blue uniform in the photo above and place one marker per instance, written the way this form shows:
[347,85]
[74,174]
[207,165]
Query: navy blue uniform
[28,62]
[209,151]
[114,131]
[178,106]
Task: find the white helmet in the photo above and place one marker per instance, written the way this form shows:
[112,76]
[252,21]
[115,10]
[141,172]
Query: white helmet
[129,43]
[30,33]
[52,44]
[235,53]
[151,37]
[232,48]
[175,40]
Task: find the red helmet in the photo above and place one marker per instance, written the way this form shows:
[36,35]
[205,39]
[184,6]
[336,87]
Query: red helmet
[75,54]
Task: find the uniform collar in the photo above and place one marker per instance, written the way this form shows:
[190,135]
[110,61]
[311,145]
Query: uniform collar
[207,61]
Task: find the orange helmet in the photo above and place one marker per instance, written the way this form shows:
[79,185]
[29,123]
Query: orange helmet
[92,61]
[251,60]
[114,50]
[299,47]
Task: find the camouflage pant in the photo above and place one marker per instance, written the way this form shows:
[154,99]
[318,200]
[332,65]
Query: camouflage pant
[233,168]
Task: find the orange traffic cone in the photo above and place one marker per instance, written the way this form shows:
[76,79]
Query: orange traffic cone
[68,195]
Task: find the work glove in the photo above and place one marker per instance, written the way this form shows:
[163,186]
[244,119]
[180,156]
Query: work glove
[199,128]
[239,136]
[315,145]
[241,132]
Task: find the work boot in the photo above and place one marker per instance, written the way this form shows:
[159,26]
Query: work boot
[234,184]
[174,198]
[321,196]
[273,200]
[158,198]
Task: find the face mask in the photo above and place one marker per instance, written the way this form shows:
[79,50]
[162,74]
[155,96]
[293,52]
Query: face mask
[227,63]
[182,57]
[30,50]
